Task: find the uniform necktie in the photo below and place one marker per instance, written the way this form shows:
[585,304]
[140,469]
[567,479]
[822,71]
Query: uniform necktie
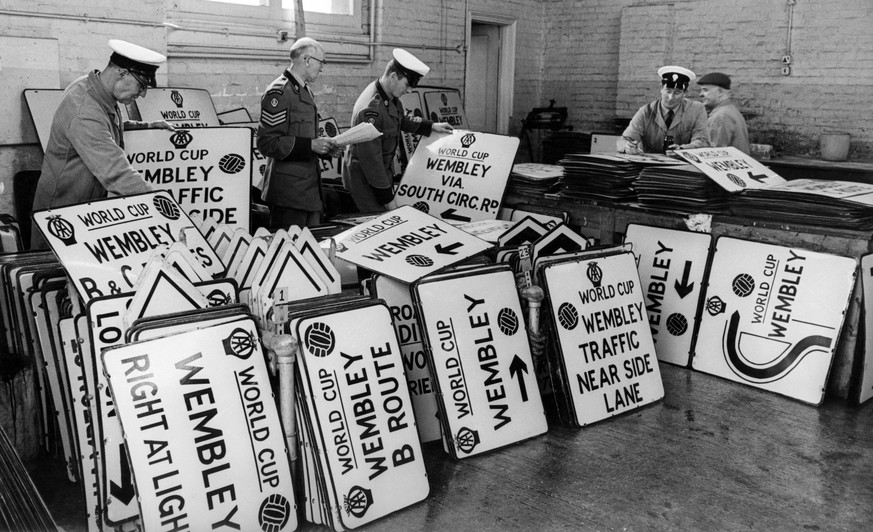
[669,119]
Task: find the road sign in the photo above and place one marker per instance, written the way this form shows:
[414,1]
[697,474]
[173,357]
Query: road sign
[732,169]
[407,244]
[101,242]
[672,265]
[202,429]
[208,170]
[481,360]
[459,177]
[865,378]
[772,316]
[184,108]
[605,345]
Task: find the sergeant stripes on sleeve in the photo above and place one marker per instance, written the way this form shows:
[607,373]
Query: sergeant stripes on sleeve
[273,119]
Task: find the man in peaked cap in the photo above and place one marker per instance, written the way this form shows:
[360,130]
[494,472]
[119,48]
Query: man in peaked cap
[84,157]
[287,136]
[367,167]
[669,123]
[727,127]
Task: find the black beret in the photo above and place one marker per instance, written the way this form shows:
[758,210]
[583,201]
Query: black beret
[716,78]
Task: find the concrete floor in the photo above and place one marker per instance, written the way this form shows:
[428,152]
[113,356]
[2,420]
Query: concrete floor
[713,455]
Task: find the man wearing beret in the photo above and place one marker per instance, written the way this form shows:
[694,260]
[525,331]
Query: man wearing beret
[84,157]
[367,167]
[727,127]
[287,136]
[669,123]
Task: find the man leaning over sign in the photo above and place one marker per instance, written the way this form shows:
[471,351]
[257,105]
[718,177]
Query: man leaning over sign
[367,166]
[84,157]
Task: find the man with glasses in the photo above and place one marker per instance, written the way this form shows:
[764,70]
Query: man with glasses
[287,136]
[84,157]
[367,167]
[669,123]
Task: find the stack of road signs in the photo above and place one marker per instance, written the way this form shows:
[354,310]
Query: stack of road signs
[22,508]
[556,144]
[811,202]
[480,358]
[534,178]
[361,454]
[772,316]
[203,436]
[865,378]
[407,244]
[680,187]
[672,265]
[604,176]
[419,377]
[459,177]
[603,357]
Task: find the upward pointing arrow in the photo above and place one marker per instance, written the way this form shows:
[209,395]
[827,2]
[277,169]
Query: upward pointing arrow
[516,368]
[757,177]
[684,288]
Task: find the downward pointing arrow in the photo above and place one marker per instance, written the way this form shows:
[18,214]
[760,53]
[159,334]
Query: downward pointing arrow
[516,368]
[125,491]
[684,288]
[757,177]
[448,250]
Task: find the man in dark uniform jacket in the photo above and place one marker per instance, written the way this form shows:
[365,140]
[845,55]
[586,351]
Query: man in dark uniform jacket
[287,137]
[367,167]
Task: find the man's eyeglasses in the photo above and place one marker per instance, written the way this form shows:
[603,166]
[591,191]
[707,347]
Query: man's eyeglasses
[143,85]
[323,63]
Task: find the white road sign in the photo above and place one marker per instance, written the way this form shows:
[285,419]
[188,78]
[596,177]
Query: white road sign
[865,378]
[203,435]
[772,316]
[407,244]
[459,177]
[184,108]
[671,264]
[102,242]
[208,170]
[481,360]
[352,370]
[606,346]
[732,169]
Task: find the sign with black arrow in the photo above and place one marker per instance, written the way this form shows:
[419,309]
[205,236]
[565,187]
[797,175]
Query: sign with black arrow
[459,177]
[475,337]
[732,169]
[407,244]
[671,264]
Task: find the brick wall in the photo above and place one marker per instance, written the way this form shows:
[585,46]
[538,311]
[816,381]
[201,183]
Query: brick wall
[602,57]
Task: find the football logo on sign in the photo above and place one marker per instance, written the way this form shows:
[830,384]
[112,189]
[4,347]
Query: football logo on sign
[240,344]
[274,513]
[422,206]
[61,229]
[319,339]
[743,284]
[568,316]
[736,180]
[231,163]
[507,321]
[358,501]
[419,260]
[167,207]
[677,324]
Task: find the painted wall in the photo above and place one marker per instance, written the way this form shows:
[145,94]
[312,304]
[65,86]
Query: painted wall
[602,58]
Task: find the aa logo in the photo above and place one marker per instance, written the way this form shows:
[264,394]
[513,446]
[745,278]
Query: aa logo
[167,207]
[468,140]
[240,344]
[319,339]
[61,229]
[181,139]
[274,513]
[467,440]
[358,501]
[594,274]
[176,98]
[715,306]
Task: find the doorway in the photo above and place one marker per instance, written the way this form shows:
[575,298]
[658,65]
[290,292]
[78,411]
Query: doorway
[489,80]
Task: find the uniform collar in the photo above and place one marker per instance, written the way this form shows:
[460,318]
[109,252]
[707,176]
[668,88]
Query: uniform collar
[382,93]
[296,81]
[103,96]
